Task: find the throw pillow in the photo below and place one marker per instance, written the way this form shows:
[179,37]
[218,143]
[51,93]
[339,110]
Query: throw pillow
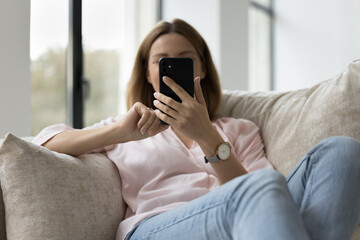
[48,195]
[2,219]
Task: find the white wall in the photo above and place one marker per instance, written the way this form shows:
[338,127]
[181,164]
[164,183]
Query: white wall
[314,40]
[15,86]
[223,24]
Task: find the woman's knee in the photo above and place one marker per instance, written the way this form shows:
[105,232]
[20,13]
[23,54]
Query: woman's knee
[345,148]
[342,141]
[268,179]
[258,183]
[261,176]
[339,153]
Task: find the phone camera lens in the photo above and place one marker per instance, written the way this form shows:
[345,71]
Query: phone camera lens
[164,69]
[163,63]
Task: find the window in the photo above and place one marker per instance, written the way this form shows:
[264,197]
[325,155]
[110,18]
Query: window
[260,45]
[106,60]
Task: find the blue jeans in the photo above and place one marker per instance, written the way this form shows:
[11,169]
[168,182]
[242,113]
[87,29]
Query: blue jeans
[320,199]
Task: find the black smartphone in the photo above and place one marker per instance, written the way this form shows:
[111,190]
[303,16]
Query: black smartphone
[181,70]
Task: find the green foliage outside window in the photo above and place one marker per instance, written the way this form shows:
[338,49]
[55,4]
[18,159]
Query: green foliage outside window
[101,68]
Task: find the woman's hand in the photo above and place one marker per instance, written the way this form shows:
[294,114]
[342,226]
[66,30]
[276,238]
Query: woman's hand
[138,123]
[192,119]
[190,116]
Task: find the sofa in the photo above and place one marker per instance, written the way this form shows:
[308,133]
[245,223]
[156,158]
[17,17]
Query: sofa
[48,195]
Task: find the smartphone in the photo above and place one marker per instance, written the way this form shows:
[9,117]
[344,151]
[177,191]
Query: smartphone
[181,70]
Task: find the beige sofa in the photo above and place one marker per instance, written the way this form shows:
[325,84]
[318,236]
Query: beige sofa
[46,195]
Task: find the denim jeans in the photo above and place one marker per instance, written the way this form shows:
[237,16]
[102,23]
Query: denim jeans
[320,199]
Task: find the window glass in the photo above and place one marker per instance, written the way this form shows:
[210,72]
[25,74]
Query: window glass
[102,28]
[48,41]
[259,50]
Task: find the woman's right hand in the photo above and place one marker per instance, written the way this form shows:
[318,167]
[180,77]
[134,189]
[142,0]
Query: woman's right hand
[139,123]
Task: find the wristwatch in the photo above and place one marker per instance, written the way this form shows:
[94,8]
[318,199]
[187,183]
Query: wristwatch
[223,152]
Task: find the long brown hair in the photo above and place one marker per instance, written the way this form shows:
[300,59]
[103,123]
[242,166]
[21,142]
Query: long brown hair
[140,90]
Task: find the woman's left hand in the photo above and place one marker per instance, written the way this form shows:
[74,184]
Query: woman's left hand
[190,116]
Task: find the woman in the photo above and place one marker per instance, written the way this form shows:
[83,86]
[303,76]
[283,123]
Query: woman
[173,193]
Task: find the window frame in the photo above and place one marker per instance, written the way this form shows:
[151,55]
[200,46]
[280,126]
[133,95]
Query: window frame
[75,101]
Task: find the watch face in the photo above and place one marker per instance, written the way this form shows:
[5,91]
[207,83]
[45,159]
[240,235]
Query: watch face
[224,151]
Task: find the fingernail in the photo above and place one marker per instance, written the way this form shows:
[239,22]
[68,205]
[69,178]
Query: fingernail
[155,94]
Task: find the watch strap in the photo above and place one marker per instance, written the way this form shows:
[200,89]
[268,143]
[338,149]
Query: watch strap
[211,159]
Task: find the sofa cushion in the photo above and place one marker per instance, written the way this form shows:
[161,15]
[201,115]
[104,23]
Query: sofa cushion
[48,195]
[291,123]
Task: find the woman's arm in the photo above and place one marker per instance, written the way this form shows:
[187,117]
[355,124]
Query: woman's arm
[138,123]
[192,119]
[78,142]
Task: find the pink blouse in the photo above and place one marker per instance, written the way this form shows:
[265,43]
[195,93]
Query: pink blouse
[160,173]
